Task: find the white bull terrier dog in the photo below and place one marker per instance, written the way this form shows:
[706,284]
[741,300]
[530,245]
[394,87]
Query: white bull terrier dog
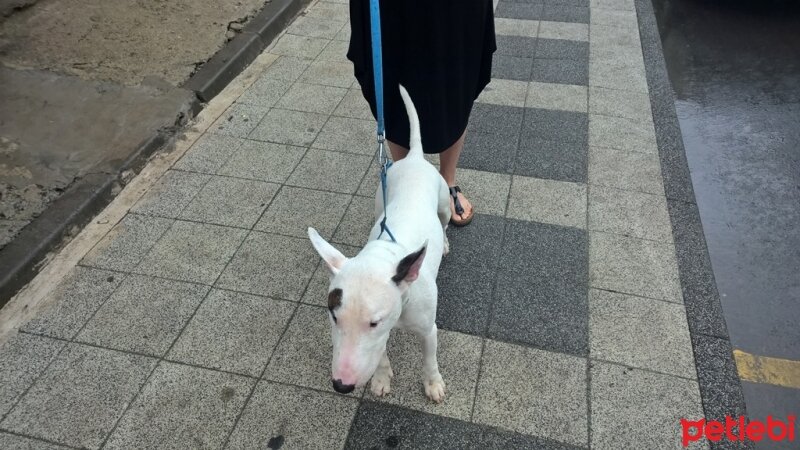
[390,284]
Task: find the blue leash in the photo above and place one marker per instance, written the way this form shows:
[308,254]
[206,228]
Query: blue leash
[377,68]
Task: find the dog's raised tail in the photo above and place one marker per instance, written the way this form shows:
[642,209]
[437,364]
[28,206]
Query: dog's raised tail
[415,138]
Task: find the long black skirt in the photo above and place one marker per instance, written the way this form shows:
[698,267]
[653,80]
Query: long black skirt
[439,50]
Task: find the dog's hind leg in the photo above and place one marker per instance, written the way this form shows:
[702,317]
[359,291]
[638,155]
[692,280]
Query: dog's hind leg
[443,211]
[382,379]
[434,385]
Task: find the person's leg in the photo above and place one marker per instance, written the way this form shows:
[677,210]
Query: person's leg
[448,160]
[398,152]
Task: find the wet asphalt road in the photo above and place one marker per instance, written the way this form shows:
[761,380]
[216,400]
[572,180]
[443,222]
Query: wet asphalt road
[735,69]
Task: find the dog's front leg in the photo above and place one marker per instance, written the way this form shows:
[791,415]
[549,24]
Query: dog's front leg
[382,379]
[434,385]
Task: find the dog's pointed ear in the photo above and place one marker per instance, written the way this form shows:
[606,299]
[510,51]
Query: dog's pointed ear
[333,258]
[408,268]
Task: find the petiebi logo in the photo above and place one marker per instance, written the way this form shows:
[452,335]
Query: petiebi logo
[737,430]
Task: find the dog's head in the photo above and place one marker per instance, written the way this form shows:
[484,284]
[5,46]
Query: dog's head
[364,303]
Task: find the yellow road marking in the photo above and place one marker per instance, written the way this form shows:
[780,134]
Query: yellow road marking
[764,369]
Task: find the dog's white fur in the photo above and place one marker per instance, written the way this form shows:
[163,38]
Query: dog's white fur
[418,207]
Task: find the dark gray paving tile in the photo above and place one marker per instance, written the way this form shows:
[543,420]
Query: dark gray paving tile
[495,439]
[271,265]
[81,395]
[562,71]
[511,67]
[720,387]
[562,49]
[564,13]
[584,3]
[467,274]
[22,360]
[145,315]
[127,242]
[489,152]
[234,332]
[551,125]
[542,288]
[182,407]
[515,10]
[495,119]
[552,160]
[10,441]
[519,46]
[296,417]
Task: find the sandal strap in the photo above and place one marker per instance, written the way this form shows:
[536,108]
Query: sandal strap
[456,202]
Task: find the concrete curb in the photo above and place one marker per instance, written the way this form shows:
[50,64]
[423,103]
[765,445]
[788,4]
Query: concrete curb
[20,260]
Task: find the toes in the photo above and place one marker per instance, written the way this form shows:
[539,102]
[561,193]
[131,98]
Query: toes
[381,386]
[434,389]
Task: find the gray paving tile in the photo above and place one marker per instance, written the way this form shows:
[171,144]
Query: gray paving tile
[634,266]
[354,105]
[265,161]
[295,417]
[487,191]
[628,57]
[303,357]
[629,213]
[641,400]
[489,152]
[329,73]
[145,315]
[295,209]
[335,51]
[622,134]
[317,291]
[504,92]
[496,439]
[467,274]
[289,127]
[511,67]
[22,359]
[606,74]
[287,68]
[348,135]
[554,96]
[622,5]
[239,120]
[357,222]
[625,170]
[495,119]
[230,201]
[208,153]
[565,13]
[614,18]
[234,332]
[459,361]
[516,27]
[564,30]
[265,92]
[562,71]
[562,49]
[720,387]
[330,171]
[192,252]
[558,126]
[10,441]
[614,102]
[80,396]
[552,160]
[371,182]
[182,407]
[73,302]
[519,46]
[312,98]
[541,293]
[271,265]
[553,382]
[329,11]
[170,194]
[548,201]
[640,332]
[344,34]
[528,11]
[299,46]
[315,27]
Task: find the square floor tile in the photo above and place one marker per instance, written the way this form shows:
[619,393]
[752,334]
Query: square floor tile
[228,201]
[295,209]
[80,396]
[287,67]
[561,49]
[467,274]
[551,160]
[548,201]
[335,51]
[487,191]
[265,92]
[22,359]
[330,171]
[520,46]
[295,417]
[192,252]
[183,407]
[233,332]
[551,125]
[529,11]
[606,74]
[614,36]
[315,27]
[239,120]
[329,11]
[357,222]
[170,194]
[625,170]
[516,27]
[459,361]
[495,119]
[289,127]
[622,134]
[73,302]
[617,103]
[504,92]
[265,161]
[312,98]
[622,5]
[329,73]
[565,13]
[145,315]
[629,213]
[614,18]
[347,135]
[344,34]
[643,401]
[553,382]
[299,46]
[304,354]
[209,153]
[489,152]
[15,442]
[561,71]
[564,97]
[354,105]
[640,332]
[271,265]
[511,68]
[563,31]
[541,293]
[634,266]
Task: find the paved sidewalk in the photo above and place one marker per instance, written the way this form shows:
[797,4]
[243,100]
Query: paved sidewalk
[199,320]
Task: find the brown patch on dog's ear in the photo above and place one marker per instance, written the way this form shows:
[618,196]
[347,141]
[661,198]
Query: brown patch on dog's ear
[334,299]
[408,268]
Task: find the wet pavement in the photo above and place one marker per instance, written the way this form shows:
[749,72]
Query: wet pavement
[735,71]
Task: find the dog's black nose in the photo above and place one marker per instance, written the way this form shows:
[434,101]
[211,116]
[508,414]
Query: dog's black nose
[343,388]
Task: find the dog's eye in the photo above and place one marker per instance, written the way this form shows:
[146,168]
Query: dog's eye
[373,324]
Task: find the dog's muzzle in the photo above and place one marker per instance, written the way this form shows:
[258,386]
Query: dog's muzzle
[343,388]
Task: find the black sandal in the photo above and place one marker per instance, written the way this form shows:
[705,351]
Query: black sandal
[459,209]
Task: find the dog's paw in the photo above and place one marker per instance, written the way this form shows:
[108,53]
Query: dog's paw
[434,388]
[381,384]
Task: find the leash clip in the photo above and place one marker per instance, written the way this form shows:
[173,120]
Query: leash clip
[382,157]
